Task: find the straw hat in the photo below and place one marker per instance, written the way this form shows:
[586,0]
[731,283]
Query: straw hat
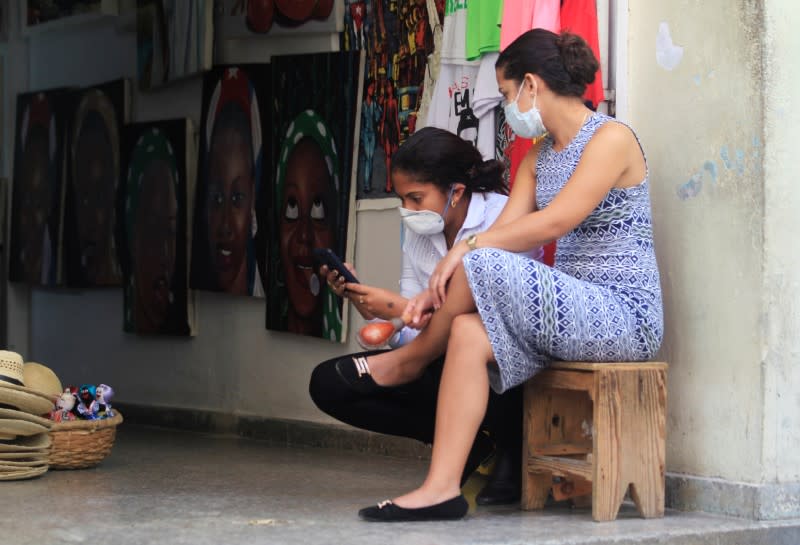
[19,464]
[10,428]
[41,378]
[32,443]
[35,456]
[21,473]
[11,414]
[14,393]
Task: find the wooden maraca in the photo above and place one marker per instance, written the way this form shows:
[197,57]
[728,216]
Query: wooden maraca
[375,335]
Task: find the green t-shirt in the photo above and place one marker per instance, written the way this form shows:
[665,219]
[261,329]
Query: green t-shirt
[483,29]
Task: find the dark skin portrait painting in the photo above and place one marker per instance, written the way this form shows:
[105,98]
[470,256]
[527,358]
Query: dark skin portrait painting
[36,210]
[314,136]
[230,198]
[155,228]
[36,201]
[154,247]
[306,223]
[90,216]
[228,249]
[94,185]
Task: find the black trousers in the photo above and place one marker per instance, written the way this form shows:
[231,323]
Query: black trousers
[409,410]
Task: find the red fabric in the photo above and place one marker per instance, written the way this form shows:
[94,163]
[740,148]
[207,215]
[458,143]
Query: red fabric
[580,17]
[516,151]
[549,257]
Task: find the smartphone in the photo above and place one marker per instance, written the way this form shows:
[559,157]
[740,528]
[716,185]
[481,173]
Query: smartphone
[328,257]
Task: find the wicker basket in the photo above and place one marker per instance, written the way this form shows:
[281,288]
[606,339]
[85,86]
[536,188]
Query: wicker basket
[79,444]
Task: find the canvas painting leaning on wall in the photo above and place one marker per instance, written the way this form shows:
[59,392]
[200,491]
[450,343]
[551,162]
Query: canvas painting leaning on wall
[315,108]
[97,115]
[36,228]
[153,207]
[228,247]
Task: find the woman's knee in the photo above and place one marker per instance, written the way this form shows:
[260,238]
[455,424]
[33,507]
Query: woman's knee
[468,332]
[325,387]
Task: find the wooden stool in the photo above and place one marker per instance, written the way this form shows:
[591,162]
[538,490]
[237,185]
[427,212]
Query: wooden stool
[600,426]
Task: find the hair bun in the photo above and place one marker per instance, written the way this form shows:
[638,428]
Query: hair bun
[578,58]
[485,175]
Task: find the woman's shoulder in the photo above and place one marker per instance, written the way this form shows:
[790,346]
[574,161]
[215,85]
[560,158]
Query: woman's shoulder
[493,205]
[613,130]
[492,200]
[612,137]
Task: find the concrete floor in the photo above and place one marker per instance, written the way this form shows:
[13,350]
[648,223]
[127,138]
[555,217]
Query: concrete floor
[161,486]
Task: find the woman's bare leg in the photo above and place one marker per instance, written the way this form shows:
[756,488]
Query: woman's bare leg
[406,363]
[463,396]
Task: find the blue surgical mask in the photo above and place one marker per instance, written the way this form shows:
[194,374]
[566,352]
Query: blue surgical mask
[524,124]
[425,222]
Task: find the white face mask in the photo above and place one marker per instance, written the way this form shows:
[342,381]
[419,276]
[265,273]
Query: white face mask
[528,124]
[425,222]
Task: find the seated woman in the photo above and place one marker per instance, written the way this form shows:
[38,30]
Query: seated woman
[449,193]
[585,184]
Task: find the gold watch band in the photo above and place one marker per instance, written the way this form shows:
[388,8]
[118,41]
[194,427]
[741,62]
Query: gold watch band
[472,242]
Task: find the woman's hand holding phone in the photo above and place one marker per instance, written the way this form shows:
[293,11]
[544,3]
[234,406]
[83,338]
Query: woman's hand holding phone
[335,280]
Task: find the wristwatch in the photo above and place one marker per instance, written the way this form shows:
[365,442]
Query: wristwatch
[472,242]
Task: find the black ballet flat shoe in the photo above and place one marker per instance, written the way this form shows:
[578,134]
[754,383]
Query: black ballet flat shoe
[386,511]
[505,483]
[354,371]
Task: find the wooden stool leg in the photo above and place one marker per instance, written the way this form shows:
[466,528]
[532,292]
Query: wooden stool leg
[629,423]
[650,505]
[608,489]
[606,504]
[647,483]
[535,487]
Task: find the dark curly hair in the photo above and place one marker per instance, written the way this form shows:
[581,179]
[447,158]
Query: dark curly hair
[564,61]
[440,157]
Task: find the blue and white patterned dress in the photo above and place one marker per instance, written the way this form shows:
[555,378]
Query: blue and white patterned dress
[601,301]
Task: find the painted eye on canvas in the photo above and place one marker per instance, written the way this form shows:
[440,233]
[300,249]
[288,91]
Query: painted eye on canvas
[318,210]
[292,210]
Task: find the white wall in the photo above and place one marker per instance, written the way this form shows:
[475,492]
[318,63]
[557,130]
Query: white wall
[781,305]
[233,365]
[703,119]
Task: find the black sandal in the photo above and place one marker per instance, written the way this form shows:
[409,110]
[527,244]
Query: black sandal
[386,511]
[354,371]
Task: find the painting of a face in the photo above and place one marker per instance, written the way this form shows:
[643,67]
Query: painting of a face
[305,224]
[36,202]
[315,147]
[94,187]
[230,198]
[154,246]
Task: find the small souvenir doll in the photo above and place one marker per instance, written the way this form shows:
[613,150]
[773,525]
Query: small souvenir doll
[64,405]
[103,395]
[87,405]
[73,391]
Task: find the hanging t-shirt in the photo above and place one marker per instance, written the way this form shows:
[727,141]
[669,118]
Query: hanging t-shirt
[487,98]
[454,34]
[580,17]
[519,16]
[483,31]
[452,103]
